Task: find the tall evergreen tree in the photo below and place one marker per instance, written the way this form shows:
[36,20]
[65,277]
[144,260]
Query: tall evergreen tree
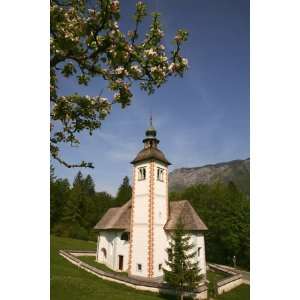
[73,210]
[124,192]
[89,185]
[183,272]
[78,180]
[60,190]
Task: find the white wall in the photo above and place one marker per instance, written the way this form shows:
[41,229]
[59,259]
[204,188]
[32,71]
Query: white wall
[140,215]
[197,239]
[111,241]
[140,234]
[160,243]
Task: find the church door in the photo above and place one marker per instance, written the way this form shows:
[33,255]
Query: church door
[120,262]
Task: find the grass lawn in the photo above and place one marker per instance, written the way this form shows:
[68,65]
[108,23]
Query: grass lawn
[242,292]
[215,276]
[69,282]
[92,262]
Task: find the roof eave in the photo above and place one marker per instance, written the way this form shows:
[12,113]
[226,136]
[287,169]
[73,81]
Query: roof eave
[135,161]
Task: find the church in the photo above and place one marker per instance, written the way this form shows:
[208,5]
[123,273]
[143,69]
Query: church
[134,238]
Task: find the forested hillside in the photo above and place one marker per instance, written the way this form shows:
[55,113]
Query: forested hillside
[76,208]
[226,212]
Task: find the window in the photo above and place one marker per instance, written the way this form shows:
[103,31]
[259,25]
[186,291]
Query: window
[169,250]
[160,174]
[125,236]
[159,267]
[142,173]
[121,259]
[103,251]
[199,249]
[139,267]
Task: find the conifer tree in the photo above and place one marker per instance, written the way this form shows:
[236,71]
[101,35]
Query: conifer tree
[78,180]
[89,185]
[124,192]
[183,272]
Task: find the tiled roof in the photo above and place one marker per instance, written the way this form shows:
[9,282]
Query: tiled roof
[184,210]
[119,217]
[150,153]
[116,218]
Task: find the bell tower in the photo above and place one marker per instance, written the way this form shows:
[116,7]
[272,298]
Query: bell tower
[150,209]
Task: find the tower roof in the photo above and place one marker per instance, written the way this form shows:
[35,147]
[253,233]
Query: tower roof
[150,150]
[150,153]
[151,131]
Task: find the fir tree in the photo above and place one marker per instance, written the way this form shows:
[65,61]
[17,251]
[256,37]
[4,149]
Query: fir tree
[78,180]
[89,185]
[124,192]
[183,272]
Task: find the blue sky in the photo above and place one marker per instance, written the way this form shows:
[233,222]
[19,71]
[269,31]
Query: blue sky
[201,118]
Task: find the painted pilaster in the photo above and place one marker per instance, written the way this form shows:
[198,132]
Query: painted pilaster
[150,221]
[131,224]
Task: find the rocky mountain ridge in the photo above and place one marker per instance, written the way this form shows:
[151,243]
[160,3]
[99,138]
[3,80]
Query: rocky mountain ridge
[237,171]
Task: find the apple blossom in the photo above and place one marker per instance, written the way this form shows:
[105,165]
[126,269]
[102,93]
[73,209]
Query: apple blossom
[86,42]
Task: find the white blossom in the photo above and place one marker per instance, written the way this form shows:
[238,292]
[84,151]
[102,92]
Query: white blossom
[153,69]
[185,61]
[171,67]
[150,52]
[119,70]
[136,69]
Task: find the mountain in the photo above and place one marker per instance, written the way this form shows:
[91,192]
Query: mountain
[237,171]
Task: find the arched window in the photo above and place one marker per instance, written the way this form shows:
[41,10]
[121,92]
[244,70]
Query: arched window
[103,251]
[125,236]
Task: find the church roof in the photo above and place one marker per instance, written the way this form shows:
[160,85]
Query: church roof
[184,210]
[119,217]
[116,218]
[150,153]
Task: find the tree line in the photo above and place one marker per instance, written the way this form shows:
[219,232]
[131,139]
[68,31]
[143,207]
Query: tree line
[76,208]
[226,212]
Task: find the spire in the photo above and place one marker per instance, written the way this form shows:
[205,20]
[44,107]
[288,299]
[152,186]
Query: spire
[150,150]
[150,139]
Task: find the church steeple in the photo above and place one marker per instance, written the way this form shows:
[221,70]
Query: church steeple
[151,209]
[150,139]
[150,150]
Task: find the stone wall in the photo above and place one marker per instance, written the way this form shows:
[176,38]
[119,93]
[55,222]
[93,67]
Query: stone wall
[233,280]
[199,293]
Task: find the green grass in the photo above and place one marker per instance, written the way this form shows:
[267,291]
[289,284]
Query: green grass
[92,262]
[69,282]
[242,292]
[215,276]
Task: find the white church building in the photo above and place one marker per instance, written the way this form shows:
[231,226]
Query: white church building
[134,238]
